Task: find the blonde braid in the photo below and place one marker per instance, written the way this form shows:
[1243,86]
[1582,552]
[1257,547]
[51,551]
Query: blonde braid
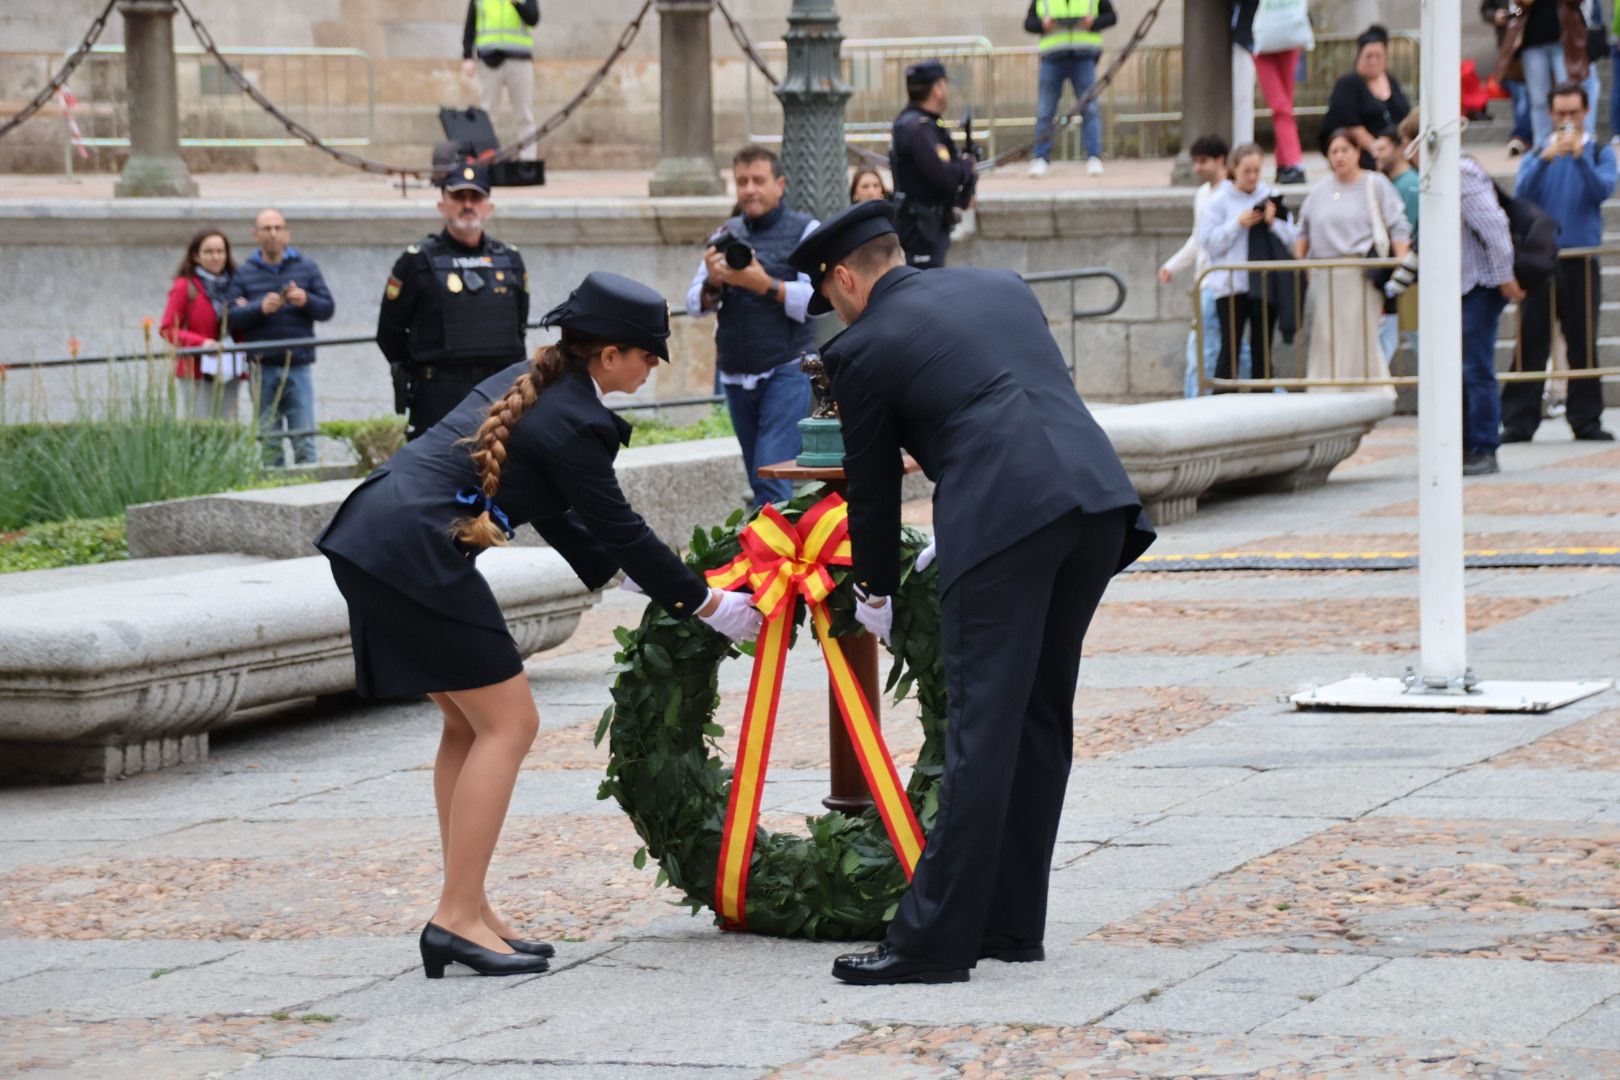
[489,442]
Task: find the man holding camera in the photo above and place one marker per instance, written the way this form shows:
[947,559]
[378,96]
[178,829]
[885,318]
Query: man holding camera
[278,294]
[454,309]
[760,303]
[931,179]
[1569,175]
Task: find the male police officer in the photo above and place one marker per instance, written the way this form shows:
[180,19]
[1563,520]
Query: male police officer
[1033,514]
[930,178]
[454,310]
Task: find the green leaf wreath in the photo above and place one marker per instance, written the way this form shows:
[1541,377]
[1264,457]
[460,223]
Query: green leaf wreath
[843,881]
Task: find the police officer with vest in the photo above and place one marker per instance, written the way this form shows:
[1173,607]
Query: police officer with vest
[1033,514]
[759,302]
[931,179]
[1070,46]
[454,310]
[501,35]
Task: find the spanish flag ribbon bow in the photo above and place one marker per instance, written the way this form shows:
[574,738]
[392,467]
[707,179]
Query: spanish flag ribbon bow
[780,562]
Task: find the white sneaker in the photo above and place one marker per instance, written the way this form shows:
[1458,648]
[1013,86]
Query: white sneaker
[1038,167]
[1094,166]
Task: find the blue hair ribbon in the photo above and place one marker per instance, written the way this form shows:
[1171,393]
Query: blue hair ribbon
[475,497]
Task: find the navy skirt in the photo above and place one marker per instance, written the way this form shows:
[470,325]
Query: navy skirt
[403,648]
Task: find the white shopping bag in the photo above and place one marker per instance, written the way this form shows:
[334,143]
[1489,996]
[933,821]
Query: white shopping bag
[1280,25]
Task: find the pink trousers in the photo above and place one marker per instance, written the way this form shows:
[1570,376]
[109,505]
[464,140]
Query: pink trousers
[1275,72]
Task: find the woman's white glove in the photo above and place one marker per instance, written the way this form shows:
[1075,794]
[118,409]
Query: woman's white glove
[628,584]
[876,614]
[925,557]
[735,617]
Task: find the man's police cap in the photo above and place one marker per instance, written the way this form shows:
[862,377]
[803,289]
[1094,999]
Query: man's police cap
[837,237]
[455,171]
[618,309]
[927,72]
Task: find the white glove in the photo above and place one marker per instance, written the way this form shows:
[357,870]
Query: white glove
[876,614]
[925,557]
[736,618]
[628,584]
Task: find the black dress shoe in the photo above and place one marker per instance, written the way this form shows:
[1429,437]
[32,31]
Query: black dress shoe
[1007,953]
[1510,435]
[440,947]
[885,965]
[1293,174]
[1594,434]
[531,948]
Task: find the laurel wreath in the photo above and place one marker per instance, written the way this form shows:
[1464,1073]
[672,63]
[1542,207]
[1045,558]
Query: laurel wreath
[842,881]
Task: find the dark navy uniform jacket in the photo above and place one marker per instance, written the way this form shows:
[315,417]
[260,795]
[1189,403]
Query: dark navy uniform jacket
[923,157]
[958,367]
[558,476]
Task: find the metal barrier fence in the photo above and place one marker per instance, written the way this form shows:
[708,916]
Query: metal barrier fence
[1352,356]
[1140,111]
[333,91]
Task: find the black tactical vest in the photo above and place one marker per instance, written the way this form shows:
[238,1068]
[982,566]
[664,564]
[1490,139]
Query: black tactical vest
[477,315]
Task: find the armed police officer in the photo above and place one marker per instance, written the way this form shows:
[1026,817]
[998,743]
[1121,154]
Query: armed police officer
[932,180]
[454,310]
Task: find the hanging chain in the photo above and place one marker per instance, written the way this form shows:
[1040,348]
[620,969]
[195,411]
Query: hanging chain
[365,164]
[745,43]
[63,75]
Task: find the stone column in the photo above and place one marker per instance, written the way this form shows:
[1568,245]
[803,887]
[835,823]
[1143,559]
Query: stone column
[1206,78]
[686,104]
[812,97]
[154,167]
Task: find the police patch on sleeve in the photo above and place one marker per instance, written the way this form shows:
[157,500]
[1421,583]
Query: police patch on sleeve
[944,154]
[394,285]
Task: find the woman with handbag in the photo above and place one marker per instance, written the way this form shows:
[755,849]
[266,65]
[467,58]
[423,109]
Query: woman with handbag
[533,443]
[1240,206]
[195,317]
[1352,214]
[1269,37]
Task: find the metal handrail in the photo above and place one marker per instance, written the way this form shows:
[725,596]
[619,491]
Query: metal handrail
[1593,370]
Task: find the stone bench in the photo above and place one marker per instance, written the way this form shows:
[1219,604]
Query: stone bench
[110,675]
[1176,451]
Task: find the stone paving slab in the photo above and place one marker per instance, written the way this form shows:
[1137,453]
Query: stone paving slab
[1247,991]
[1466,999]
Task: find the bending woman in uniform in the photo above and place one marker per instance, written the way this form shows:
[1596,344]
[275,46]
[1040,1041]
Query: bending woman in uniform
[533,443]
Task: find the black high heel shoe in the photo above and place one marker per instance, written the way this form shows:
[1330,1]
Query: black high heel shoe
[531,948]
[440,947]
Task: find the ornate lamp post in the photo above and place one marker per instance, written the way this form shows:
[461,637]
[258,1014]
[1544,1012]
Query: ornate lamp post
[686,92]
[813,96]
[154,167]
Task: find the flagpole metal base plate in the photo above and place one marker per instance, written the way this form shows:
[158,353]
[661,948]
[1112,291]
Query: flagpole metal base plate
[1490,695]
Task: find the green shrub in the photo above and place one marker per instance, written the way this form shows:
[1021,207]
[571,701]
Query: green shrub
[374,441]
[64,543]
[130,448]
[651,431]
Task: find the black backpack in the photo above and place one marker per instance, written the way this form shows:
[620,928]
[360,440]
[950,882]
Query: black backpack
[1535,240]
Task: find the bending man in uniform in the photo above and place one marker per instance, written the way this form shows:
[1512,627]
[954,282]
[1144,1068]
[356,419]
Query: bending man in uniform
[1033,514]
[454,310]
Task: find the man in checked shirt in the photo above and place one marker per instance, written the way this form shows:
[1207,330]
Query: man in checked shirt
[1487,285]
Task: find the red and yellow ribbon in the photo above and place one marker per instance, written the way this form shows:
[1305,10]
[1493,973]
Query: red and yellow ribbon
[780,562]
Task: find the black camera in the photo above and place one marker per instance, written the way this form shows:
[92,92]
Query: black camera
[738,252]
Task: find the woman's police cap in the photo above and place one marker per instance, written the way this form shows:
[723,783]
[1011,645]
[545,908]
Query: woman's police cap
[617,308]
[837,237]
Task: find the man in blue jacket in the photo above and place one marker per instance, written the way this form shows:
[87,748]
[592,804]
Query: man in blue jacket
[277,295]
[1569,176]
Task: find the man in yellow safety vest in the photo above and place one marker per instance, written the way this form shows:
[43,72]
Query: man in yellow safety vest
[500,34]
[1071,42]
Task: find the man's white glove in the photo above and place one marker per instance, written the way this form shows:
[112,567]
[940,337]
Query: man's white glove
[736,618]
[876,614]
[925,557]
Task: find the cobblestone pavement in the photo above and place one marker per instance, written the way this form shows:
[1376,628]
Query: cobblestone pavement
[1240,890]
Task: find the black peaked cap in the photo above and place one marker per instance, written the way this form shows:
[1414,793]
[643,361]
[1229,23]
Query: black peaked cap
[836,237]
[618,308]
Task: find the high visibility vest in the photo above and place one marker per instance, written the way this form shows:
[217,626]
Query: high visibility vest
[1068,37]
[500,27]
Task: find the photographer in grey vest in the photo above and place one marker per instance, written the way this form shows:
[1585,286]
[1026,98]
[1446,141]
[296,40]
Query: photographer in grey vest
[760,303]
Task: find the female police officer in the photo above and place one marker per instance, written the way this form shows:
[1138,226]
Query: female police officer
[533,444]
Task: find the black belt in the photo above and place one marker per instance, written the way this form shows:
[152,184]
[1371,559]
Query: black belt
[462,373]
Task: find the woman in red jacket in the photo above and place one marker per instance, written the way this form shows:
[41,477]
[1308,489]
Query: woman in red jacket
[193,316]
